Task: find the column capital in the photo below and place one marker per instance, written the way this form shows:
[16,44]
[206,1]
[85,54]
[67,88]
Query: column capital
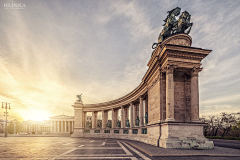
[131,103]
[141,97]
[169,69]
[194,71]
[78,104]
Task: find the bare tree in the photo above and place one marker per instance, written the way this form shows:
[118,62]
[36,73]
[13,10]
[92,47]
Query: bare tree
[228,121]
[223,123]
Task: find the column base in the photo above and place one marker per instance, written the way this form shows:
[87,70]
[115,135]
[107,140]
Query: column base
[78,132]
[187,143]
[184,135]
[195,120]
[170,119]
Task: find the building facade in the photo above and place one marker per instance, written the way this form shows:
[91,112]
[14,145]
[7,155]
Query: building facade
[56,124]
[62,124]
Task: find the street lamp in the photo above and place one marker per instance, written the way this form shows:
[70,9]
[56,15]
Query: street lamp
[6,114]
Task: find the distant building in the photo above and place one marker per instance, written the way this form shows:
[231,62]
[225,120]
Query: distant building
[62,124]
[2,125]
[57,124]
[34,126]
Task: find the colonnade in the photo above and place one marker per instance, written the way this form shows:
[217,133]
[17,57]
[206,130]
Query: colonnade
[130,112]
[32,128]
[62,126]
[168,93]
[45,129]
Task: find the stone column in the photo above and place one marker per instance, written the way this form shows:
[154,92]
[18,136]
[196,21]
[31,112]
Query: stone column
[84,119]
[65,128]
[113,119]
[73,126]
[93,120]
[51,126]
[78,120]
[61,126]
[194,95]
[131,115]
[122,117]
[141,117]
[69,129]
[134,115]
[54,126]
[103,120]
[169,94]
[58,126]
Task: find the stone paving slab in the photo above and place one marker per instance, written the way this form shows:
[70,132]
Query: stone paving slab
[154,151]
[20,148]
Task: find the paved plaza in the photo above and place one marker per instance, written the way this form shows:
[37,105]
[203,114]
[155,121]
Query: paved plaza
[92,148]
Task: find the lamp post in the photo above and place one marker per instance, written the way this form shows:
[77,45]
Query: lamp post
[6,114]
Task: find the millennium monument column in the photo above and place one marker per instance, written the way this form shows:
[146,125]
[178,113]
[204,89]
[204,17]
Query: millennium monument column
[164,108]
[78,118]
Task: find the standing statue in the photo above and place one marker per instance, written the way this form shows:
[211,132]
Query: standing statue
[118,123]
[137,121]
[109,125]
[88,124]
[146,117]
[127,123]
[79,97]
[99,124]
[170,23]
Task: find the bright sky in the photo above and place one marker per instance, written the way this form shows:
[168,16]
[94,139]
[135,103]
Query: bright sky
[53,50]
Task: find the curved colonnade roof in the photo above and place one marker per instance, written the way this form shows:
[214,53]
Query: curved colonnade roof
[143,86]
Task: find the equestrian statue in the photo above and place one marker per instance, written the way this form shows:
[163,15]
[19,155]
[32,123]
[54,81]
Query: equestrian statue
[173,26]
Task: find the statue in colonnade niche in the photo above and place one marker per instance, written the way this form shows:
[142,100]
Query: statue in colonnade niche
[146,117]
[109,125]
[137,121]
[88,124]
[127,123]
[99,124]
[118,123]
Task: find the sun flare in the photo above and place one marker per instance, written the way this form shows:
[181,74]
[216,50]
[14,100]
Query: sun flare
[35,115]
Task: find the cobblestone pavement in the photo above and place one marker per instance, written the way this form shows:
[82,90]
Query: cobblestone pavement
[92,148]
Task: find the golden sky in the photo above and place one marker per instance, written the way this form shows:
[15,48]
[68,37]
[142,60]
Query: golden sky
[51,51]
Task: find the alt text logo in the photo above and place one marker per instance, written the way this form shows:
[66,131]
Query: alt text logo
[14,6]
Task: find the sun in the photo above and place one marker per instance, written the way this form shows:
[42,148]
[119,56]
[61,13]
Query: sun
[35,115]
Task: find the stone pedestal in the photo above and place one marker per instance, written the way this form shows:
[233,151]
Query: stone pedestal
[183,135]
[78,119]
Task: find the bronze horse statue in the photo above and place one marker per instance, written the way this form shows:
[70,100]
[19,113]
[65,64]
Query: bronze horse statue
[170,23]
[173,26]
[183,23]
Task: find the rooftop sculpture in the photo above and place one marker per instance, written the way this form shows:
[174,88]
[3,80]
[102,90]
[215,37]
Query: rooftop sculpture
[79,97]
[174,26]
